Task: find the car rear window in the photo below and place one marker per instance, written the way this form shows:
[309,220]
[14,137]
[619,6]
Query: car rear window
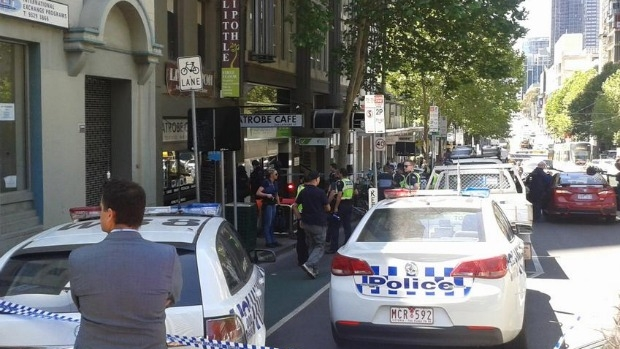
[423,224]
[491,180]
[581,179]
[42,280]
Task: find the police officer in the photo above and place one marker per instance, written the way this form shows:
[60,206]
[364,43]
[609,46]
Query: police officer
[412,179]
[342,210]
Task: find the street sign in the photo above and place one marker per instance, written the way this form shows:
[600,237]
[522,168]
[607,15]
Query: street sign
[190,73]
[373,197]
[380,144]
[433,124]
[374,122]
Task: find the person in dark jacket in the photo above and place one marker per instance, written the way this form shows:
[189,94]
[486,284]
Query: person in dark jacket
[538,182]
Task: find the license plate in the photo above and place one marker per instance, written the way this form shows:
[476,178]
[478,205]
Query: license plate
[411,315]
[584,196]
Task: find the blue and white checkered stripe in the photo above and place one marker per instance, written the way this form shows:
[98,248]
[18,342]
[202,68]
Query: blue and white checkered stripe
[7,307]
[395,282]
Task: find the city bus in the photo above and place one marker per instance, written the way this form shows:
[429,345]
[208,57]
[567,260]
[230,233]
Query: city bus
[572,156]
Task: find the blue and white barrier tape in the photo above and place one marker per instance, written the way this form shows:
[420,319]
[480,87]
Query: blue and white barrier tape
[198,342]
[560,342]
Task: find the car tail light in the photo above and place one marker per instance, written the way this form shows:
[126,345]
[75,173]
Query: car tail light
[490,268]
[347,266]
[562,191]
[228,329]
[606,192]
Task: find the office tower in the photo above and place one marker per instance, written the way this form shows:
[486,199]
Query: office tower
[575,16]
[536,51]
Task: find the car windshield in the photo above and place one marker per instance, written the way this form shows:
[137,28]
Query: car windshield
[423,224]
[581,179]
[41,280]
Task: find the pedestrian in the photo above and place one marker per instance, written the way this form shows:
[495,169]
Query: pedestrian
[447,157]
[342,209]
[123,284]
[538,183]
[411,178]
[257,176]
[313,220]
[301,247]
[268,193]
[243,183]
[399,175]
[333,168]
[384,181]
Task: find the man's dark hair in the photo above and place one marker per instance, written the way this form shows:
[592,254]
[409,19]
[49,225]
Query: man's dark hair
[334,165]
[127,199]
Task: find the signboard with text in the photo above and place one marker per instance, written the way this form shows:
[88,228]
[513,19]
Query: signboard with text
[271,120]
[190,77]
[231,47]
[374,120]
[42,11]
[433,121]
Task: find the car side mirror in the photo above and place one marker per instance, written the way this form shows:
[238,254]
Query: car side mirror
[524,231]
[262,256]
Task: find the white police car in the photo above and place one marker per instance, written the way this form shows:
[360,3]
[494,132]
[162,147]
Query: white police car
[442,270]
[222,297]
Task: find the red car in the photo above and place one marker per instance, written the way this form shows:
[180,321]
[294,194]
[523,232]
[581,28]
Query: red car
[578,193]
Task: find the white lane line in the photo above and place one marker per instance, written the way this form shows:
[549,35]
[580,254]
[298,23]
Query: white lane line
[301,307]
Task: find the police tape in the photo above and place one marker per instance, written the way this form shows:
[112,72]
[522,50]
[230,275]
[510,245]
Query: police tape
[7,307]
[562,338]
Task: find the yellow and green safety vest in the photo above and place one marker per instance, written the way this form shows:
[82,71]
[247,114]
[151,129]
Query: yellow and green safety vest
[299,189]
[347,189]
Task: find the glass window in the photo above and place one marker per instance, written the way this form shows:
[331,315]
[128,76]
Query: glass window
[236,264]
[47,274]
[13,141]
[173,30]
[503,222]
[423,224]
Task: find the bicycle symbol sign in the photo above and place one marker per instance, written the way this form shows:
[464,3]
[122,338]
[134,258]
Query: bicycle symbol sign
[190,75]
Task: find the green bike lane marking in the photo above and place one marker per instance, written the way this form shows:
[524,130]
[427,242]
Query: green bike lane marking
[287,289]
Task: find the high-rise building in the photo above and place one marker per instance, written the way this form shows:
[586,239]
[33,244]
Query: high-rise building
[575,16]
[609,49]
[536,51]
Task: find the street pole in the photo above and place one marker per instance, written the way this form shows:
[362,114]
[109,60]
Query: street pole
[197,160]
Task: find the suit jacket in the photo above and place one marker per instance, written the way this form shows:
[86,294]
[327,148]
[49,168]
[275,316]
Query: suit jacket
[120,285]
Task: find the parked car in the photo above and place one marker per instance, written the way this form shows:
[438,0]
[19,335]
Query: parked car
[578,193]
[435,269]
[222,296]
[503,181]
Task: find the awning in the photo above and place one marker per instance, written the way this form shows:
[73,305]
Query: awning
[331,118]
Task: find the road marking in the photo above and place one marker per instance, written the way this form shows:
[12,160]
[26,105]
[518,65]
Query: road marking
[301,307]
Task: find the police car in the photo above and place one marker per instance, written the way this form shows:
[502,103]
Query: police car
[432,269]
[223,290]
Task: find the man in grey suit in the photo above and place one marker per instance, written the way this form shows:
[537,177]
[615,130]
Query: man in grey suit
[123,284]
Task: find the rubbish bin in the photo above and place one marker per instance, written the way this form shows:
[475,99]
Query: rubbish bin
[247,214]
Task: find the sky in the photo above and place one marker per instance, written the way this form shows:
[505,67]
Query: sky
[539,17]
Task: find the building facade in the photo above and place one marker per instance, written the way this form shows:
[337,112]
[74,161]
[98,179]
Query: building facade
[609,44]
[90,90]
[76,103]
[537,59]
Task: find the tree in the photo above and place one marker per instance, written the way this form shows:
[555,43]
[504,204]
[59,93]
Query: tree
[606,111]
[581,106]
[454,39]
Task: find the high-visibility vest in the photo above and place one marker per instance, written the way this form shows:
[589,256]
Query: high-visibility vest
[347,190]
[299,189]
[405,182]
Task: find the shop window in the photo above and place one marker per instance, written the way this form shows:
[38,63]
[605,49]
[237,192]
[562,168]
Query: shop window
[263,35]
[13,140]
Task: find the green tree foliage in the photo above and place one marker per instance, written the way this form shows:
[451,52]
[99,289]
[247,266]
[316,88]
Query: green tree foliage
[530,98]
[606,111]
[582,105]
[313,23]
[459,41]
[560,117]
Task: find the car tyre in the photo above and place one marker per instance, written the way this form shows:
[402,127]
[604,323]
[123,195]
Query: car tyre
[610,219]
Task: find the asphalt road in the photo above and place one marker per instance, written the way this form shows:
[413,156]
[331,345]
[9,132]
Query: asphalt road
[573,290]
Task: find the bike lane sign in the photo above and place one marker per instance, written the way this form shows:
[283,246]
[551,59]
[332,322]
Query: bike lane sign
[190,73]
